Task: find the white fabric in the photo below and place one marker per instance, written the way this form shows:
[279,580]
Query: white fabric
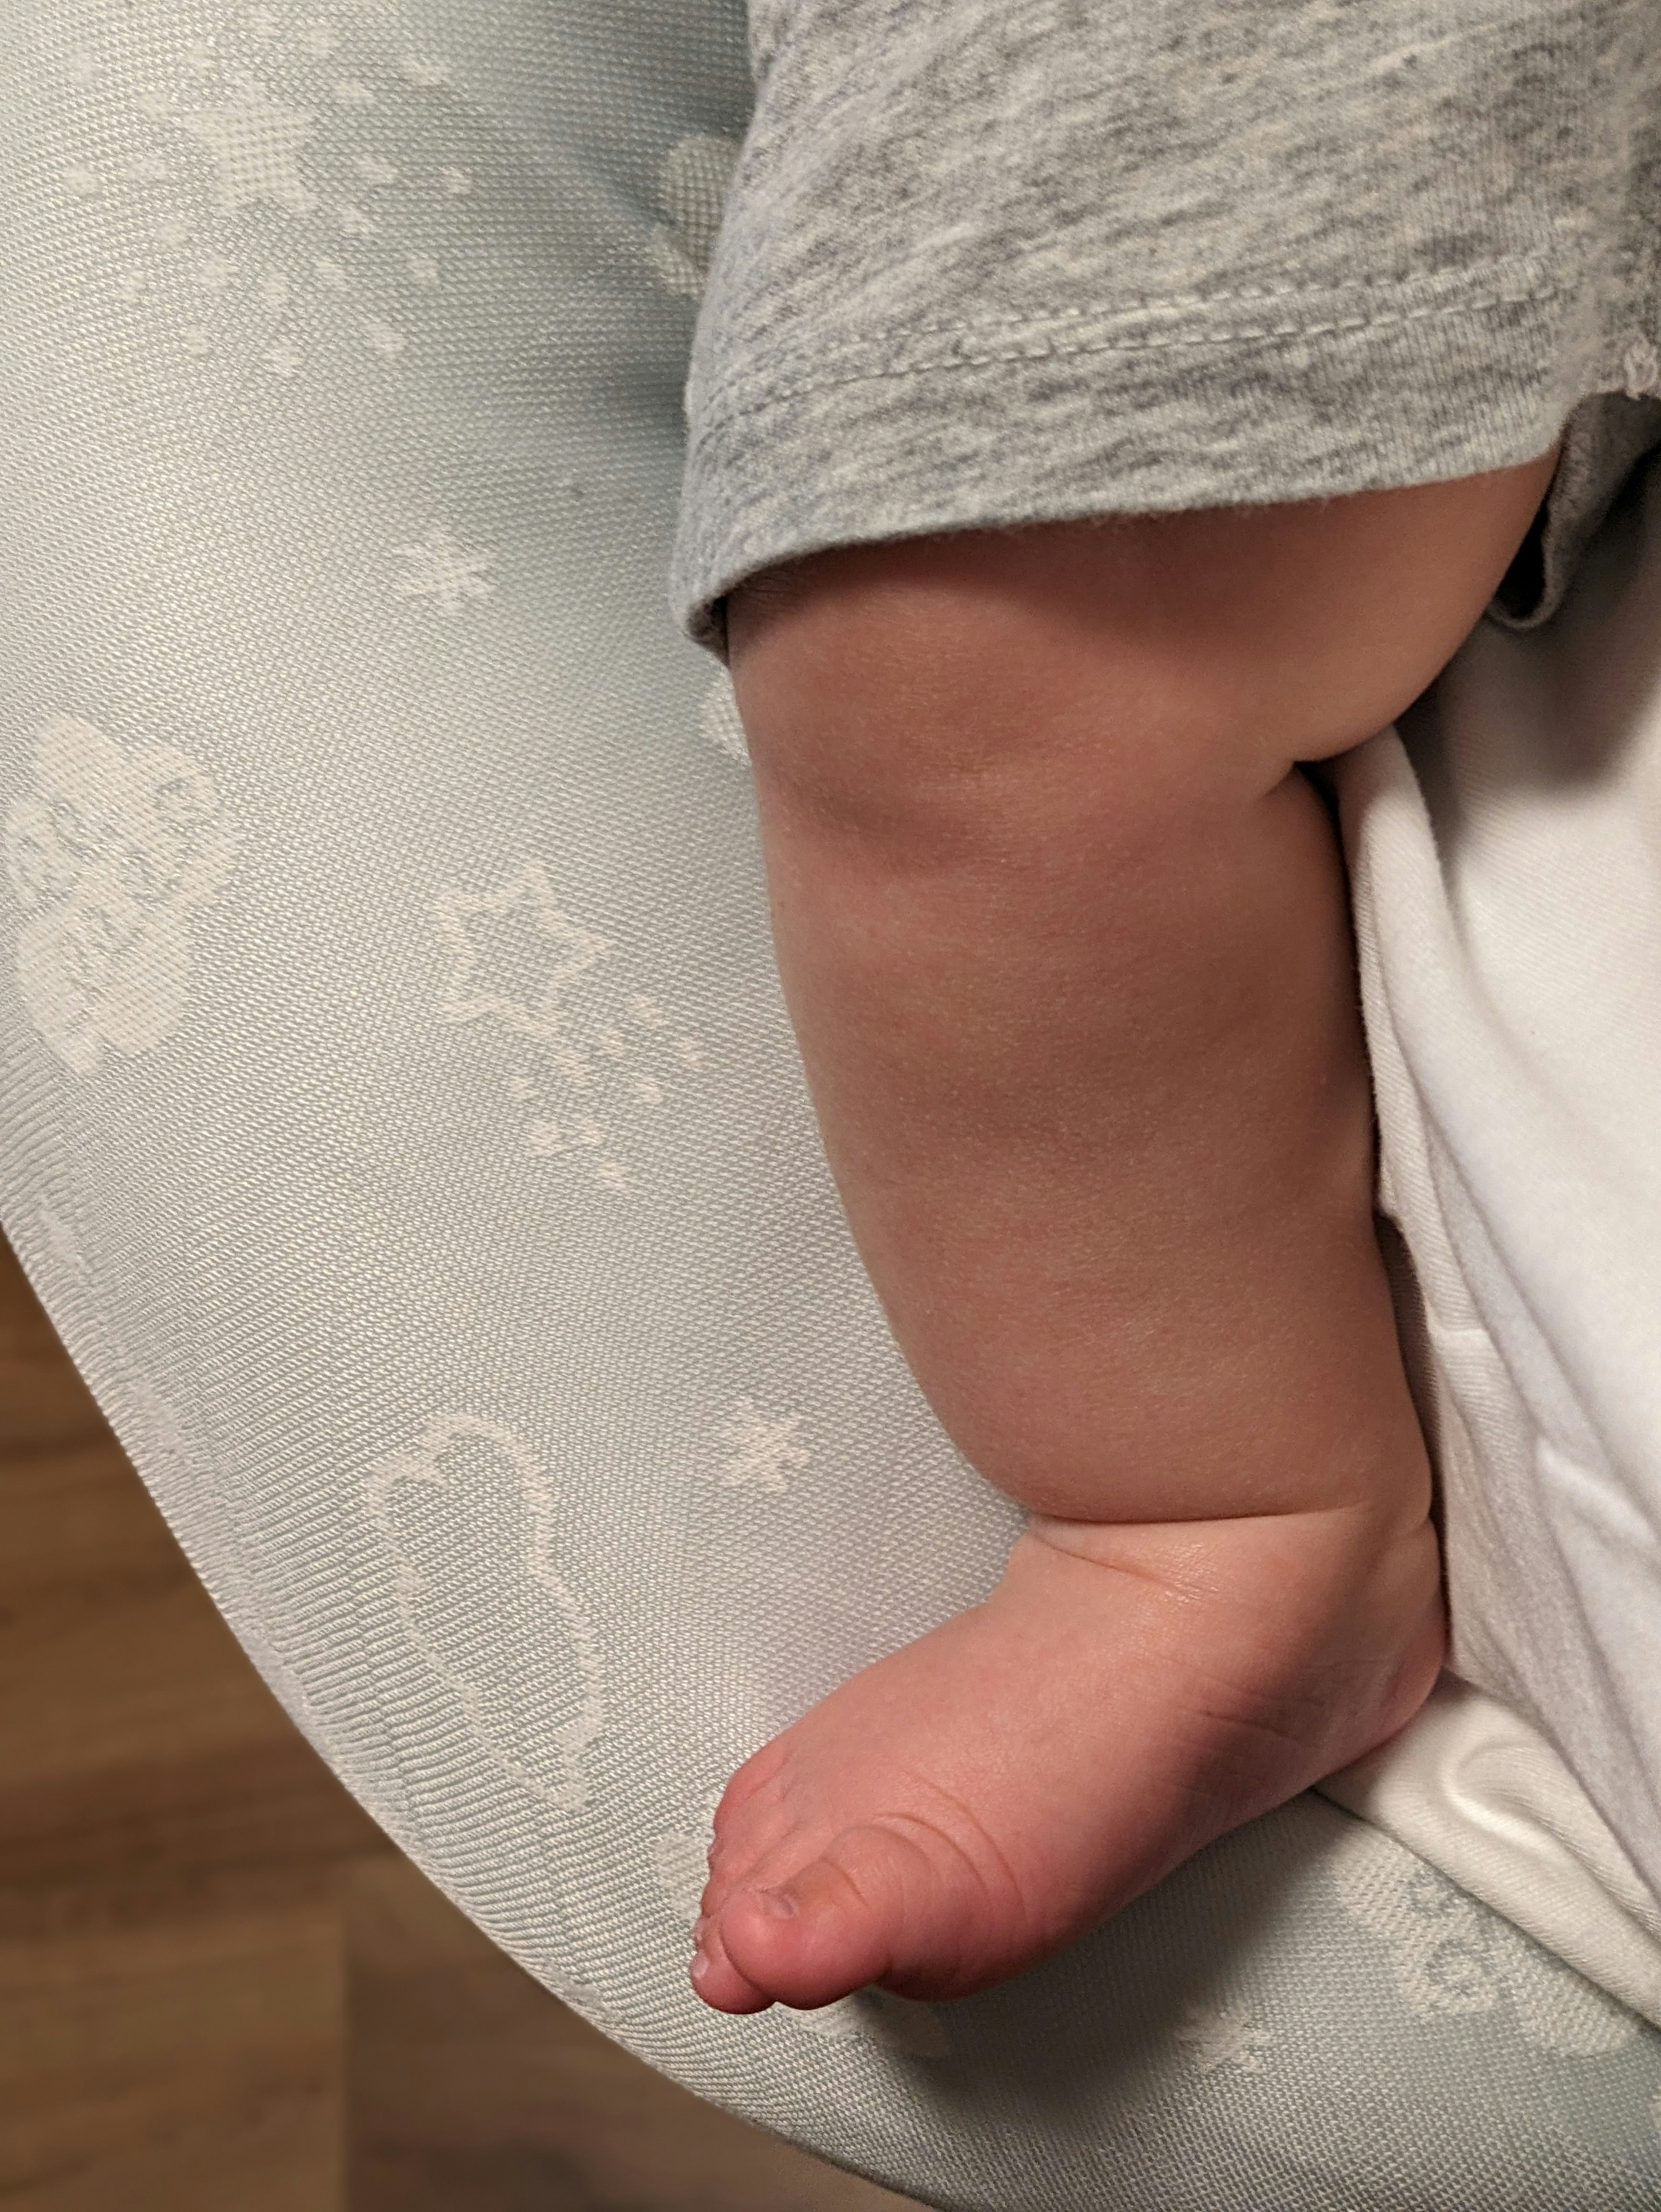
[1479,1792]
[1505,848]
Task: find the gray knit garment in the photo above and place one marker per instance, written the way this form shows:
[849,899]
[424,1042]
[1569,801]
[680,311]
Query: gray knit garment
[999,261]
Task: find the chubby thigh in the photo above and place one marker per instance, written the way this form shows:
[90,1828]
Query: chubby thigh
[1063,930]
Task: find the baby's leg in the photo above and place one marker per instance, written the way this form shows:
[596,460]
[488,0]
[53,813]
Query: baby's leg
[1063,930]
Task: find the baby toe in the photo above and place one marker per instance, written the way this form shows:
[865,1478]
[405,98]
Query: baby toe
[718,1981]
[832,1927]
[746,1862]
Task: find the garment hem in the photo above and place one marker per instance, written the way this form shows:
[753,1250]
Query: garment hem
[1156,420]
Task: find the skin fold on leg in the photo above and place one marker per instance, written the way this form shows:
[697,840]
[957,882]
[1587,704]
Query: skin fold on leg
[1062,930]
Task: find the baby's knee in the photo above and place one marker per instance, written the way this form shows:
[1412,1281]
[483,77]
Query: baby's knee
[1164,656]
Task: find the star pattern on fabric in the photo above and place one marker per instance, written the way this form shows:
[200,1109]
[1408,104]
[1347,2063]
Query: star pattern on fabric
[562,949]
[283,117]
[1223,2035]
[519,963]
[761,1450]
[255,143]
[442,569]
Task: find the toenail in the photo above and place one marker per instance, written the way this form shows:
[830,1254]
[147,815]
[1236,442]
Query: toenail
[700,1966]
[778,1902]
[698,1927]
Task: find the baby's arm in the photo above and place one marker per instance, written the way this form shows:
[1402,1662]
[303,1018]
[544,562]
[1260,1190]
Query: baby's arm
[1062,930]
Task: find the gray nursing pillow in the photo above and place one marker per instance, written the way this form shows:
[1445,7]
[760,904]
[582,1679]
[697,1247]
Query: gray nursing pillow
[403,1127]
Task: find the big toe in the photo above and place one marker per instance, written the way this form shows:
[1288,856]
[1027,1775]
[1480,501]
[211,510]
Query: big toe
[718,1981]
[873,1908]
[808,1942]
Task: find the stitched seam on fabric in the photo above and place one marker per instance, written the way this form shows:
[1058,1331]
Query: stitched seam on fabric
[1250,292]
[719,413]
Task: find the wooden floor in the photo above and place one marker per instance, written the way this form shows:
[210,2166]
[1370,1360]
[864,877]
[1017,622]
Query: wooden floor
[221,1989]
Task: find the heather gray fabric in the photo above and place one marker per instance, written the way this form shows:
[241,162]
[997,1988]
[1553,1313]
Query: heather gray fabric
[400,1118]
[993,261]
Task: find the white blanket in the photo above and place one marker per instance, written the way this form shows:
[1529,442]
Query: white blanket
[1505,845]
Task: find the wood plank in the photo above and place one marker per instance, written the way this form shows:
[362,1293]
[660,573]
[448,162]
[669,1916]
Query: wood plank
[472,2090]
[174,2052]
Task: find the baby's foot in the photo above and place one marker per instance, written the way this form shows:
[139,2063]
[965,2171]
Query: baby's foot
[962,1807]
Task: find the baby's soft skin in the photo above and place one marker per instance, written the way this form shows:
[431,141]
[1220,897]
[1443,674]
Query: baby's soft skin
[1063,930]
